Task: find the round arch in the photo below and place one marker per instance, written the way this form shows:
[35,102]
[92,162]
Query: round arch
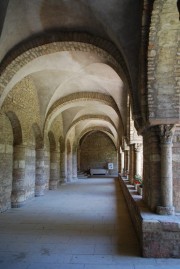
[79,98]
[97,128]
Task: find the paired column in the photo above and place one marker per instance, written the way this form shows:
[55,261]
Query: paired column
[166,135]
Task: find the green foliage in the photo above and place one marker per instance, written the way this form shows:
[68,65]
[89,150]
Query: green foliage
[138,179]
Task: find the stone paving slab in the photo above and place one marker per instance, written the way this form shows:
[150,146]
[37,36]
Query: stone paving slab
[81,225]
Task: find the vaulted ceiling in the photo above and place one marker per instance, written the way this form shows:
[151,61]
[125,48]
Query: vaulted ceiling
[85,84]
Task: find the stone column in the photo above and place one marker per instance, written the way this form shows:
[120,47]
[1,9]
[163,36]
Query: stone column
[74,163]
[118,161]
[132,164]
[69,166]
[138,159]
[18,195]
[40,178]
[54,170]
[126,160]
[166,135]
[122,162]
[78,159]
[62,167]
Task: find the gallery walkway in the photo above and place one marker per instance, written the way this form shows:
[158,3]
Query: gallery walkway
[82,225]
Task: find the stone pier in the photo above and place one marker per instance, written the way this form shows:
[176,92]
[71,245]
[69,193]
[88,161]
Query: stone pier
[40,178]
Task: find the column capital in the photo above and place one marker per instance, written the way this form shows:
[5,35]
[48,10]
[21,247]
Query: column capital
[165,210]
[166,132]
[138,147]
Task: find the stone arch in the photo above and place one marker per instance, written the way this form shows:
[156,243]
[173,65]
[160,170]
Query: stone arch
[55,41]
[88,117]
[163,65]
[97,128]
[74,98]
[97,150]
[84,96]
[39,46]
[16,127]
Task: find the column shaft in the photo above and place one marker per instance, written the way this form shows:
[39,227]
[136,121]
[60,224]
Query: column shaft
[18,195]
[138,159]
[62,167]
[40,178]
[54,170]
[69,167]
[122,162]
[166,134]
[74,164]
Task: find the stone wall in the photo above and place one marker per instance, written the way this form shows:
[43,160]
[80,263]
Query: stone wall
[163,63]
[176,170]
[152,168]
[158,235]
[97,150]
[6,162]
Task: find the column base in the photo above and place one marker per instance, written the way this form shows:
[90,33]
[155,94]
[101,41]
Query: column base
[62,181]
[39,192]
[53,185]
[17,204]
[165,210]
[69,179]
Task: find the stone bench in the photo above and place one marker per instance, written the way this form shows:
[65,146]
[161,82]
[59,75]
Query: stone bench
[98,171]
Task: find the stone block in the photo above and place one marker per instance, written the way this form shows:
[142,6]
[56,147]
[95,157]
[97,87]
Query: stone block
[21,164]
[2,148]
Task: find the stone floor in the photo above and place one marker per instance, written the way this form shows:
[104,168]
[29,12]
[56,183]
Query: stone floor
[82,225]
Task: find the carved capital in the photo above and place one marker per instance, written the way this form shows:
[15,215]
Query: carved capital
[166,133]
[138,147]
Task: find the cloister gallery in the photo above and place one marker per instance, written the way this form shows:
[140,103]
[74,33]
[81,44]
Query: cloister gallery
[84,84]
